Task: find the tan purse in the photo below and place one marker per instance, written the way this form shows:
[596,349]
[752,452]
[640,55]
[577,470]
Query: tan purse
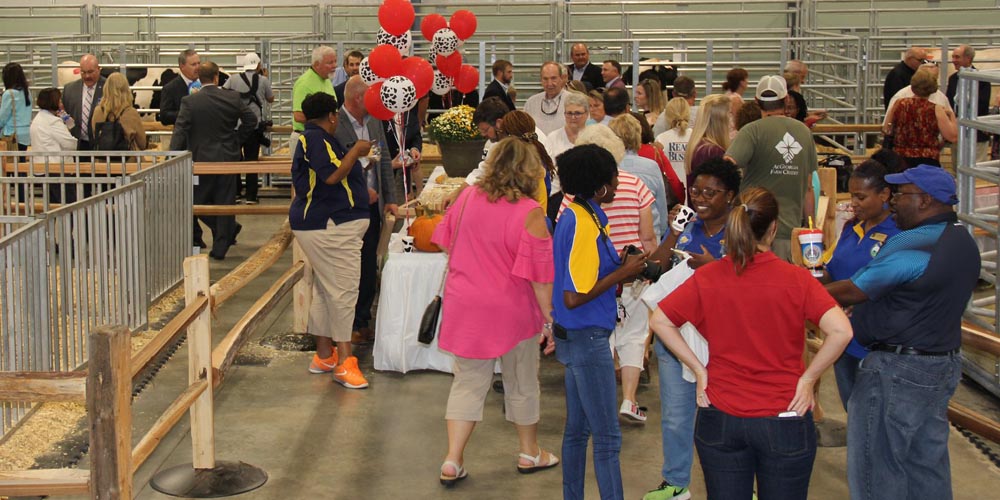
[9,142]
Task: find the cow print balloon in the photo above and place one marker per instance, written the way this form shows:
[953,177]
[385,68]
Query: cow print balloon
[399,94]
[445,42]
[442,83]
[402,42]
[367,74]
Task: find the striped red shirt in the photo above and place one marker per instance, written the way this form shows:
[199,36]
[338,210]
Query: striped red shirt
[623,213]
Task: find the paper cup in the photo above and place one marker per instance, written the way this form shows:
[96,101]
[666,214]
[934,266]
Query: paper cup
[811,242]
[684,216]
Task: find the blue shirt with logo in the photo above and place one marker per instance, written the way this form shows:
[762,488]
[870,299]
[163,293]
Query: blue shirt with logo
[317,157]
[583,254]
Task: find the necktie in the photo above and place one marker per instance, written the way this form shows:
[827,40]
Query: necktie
[88,100]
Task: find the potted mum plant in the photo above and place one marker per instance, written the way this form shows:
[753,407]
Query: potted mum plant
[459,140]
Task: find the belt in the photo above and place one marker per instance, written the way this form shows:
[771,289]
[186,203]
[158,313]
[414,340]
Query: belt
[907,351]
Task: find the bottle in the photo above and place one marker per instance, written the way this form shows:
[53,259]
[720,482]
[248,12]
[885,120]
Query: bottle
[68,120]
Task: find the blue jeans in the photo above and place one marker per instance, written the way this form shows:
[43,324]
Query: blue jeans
[845,369]
[591,409]
[897,432]
[779,452]
[677,411]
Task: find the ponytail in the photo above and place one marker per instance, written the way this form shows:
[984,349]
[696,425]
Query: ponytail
[751,216]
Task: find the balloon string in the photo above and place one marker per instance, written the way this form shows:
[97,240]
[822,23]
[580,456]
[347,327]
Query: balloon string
[400,130]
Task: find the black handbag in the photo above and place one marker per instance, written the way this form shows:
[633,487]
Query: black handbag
[429,321]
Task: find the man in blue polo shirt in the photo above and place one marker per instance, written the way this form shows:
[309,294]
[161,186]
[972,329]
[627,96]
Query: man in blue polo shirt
[908,305]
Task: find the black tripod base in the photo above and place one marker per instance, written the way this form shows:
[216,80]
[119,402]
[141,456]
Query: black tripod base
[226,479]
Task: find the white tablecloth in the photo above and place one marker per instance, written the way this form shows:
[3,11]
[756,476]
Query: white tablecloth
[409,282]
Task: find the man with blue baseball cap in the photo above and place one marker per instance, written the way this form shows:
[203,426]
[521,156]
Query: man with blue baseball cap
[908,305]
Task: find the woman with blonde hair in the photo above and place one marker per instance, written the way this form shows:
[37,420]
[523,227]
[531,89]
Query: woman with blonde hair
[675,139]
[116,105]
[710,137]
[522,126]
[497,240]
[649,98]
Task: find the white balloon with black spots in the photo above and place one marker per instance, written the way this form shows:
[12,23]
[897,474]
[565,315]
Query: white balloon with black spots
[369,76]
[445,42]
[402,42]
[398,94]
[442,84]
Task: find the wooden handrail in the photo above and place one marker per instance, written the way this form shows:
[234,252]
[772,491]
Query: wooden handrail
[45,482]
[241,210]
[225,352]
[974,421]
[43,386]
[168,333]
[261,260]
[278,166]
[166,422]
[845,128]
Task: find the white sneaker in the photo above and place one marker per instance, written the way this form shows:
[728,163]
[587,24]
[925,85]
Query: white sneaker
[632,411]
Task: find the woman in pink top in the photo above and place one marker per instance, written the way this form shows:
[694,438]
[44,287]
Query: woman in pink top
[499,246]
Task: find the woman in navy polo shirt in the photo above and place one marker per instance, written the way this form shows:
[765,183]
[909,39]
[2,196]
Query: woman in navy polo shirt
[587,272]
[755,397]
[329,216]
[859,242]
[715,186]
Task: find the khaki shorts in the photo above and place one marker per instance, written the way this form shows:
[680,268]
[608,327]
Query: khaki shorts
[335,256]
[629,338]
[473,378]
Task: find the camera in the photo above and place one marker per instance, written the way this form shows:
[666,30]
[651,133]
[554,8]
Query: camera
[652,271]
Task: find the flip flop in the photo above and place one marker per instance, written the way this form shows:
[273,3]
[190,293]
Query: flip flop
[535,462]
[460,474]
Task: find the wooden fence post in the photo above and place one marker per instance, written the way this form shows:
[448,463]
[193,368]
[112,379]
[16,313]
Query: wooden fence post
[199,339]
[109,409]
[302,294]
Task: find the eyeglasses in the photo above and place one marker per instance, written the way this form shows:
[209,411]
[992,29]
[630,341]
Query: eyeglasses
[897,194]
[707,192]
[485,131]
[574,114]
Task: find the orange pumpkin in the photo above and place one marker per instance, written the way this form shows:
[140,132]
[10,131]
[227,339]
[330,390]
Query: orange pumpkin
[422,229]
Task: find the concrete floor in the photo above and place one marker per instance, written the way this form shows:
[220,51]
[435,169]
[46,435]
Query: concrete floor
[316,439]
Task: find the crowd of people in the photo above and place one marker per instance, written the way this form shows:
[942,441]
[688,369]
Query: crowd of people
[576,208]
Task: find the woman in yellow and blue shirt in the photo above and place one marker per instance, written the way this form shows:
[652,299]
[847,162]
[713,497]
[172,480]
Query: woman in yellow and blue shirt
[329,216]
[584,310]
[860,241]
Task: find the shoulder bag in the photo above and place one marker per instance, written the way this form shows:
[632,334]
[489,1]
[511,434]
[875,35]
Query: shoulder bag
[429,321]
[10,141]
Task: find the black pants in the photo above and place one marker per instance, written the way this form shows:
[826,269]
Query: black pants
[369,270]
[216,190]
[251,152]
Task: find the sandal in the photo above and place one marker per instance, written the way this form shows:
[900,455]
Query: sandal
[448,480]
[536,464]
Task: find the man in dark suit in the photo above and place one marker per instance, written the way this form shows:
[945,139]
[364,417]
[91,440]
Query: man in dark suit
[611,72]
[213,123]
[355,123]
[80,98]
[172,93]
[582,69]
[503,74]
[899,77]
[962,57]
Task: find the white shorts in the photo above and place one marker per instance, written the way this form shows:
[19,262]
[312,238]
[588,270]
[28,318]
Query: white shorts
[629,338]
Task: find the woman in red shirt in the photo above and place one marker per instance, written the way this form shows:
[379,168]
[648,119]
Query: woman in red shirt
[755,419]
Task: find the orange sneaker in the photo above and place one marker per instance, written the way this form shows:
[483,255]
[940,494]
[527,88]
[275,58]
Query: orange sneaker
[327,365]
[349,375]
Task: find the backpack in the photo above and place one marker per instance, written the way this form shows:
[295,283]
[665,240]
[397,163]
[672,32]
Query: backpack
[251,95]
[110,136]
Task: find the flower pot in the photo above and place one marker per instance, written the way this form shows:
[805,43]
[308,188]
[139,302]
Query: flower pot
[460,158]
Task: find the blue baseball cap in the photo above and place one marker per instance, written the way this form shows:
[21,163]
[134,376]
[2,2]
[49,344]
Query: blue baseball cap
[931,180]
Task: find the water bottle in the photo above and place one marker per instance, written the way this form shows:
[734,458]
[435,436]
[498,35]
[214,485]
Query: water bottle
[68,120]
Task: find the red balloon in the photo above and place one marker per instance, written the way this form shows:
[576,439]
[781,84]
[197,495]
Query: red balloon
[373,103]
[431,24]
[384,61]
[467,79]
[420,72]
[396,16]
[449,65]
[463,23]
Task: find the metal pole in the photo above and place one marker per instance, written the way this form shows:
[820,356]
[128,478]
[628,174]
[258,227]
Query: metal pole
[482,69]
[708,67]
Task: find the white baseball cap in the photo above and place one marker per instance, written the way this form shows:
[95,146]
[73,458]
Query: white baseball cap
[251,61]
[773,83]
